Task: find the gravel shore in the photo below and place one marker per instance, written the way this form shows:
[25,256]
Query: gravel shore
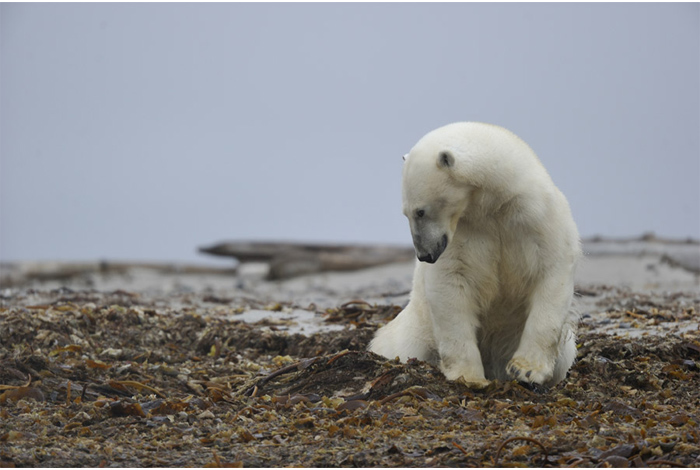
[135,364]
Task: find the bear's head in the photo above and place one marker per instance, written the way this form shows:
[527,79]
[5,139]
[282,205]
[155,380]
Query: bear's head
[433,198]
[463,169]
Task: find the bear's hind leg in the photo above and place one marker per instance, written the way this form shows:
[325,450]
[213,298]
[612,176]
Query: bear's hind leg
[409,335]
[567,356]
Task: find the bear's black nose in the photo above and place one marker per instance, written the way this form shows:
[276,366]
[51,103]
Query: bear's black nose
[428,258]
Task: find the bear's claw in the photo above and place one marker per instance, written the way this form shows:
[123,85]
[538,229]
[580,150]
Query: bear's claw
[526,371]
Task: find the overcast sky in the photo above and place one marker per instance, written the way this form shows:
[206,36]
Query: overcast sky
[142,131]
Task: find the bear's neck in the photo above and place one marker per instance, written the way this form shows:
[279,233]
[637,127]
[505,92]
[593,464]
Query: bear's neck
[492,201]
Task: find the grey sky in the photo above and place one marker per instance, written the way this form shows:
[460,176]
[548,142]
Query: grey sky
[141,131]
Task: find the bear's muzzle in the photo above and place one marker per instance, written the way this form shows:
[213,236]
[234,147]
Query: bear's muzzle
[430,255]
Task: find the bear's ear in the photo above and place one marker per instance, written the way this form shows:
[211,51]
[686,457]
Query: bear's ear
[445,159]
[405,156]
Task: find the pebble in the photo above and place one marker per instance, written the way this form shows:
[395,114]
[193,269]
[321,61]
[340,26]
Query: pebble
[206,415]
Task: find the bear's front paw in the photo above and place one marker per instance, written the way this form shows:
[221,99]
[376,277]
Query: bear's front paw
[471,375]
[525,370]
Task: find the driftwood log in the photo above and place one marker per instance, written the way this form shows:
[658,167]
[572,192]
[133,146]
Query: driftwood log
[15,274]
[289,259]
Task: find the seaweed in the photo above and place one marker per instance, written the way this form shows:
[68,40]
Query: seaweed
[109,379]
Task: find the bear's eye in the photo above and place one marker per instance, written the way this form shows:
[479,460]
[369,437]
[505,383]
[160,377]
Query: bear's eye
[420,213]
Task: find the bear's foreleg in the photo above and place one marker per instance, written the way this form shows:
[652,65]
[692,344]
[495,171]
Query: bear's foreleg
[546,341]
[455,325]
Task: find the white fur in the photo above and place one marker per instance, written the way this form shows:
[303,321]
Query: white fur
[497,302]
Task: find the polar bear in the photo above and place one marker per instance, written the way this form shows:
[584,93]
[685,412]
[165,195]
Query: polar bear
[497,248]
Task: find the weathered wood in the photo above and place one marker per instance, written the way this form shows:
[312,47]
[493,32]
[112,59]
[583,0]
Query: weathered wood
[18,273]
[289,259]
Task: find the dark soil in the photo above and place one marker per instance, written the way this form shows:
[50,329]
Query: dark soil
[90,379]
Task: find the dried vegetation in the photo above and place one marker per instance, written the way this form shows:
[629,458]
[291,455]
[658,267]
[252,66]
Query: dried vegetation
[107,379]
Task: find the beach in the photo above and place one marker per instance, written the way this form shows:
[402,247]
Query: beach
[157,364]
